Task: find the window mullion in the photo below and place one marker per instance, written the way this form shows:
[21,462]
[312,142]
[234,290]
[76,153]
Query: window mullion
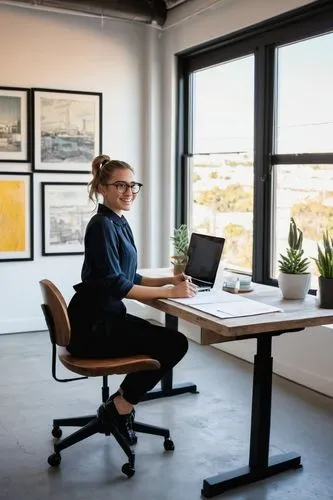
[302,159]
[263,139]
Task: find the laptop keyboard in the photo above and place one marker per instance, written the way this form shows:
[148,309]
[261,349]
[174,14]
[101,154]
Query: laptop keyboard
[202,284]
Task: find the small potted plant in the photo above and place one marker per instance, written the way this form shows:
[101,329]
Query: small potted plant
[180,240]
[294,279]
[324,263]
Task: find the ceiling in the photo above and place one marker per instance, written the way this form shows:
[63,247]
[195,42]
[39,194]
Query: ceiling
[142,11]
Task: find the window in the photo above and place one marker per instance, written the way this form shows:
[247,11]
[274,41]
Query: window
[256,111]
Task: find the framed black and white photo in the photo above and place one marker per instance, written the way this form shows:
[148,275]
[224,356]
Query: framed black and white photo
[16,217]
[66,210]
[67,129]
[14,130]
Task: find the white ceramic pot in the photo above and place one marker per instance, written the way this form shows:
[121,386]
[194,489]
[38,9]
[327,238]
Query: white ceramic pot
[294,286]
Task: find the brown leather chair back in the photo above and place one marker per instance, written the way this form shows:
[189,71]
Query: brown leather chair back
[56,313]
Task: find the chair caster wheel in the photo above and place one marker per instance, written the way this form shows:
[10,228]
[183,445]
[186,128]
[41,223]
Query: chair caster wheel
[54,460]
[128,470]
[168,444]
[56,432]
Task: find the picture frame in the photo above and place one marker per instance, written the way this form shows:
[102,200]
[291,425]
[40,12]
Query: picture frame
[67,130]
[16,216]
[66,210]
[14,125]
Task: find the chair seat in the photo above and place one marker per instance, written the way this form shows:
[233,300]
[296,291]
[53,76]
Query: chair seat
[94,367]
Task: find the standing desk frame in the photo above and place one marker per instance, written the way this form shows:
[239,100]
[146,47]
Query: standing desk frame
[296,316]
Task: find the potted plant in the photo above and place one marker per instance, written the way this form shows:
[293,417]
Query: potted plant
[294,279]
[180,240]
[325,267]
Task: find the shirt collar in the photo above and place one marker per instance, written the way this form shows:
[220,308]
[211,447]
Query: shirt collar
[117,219]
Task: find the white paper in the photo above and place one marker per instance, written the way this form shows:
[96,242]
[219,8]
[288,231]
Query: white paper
[226,305]
[210,297]
[237,309]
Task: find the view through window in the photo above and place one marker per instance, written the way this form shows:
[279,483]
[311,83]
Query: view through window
[221,174]
[304,124]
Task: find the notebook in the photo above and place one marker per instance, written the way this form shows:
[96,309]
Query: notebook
[204,255]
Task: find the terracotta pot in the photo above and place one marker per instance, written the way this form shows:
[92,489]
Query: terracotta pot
[325,292]
[179,263]
[178,268]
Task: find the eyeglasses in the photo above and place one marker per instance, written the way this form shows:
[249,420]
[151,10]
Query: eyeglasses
[123,186]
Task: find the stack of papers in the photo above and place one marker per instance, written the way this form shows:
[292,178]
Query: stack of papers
[226,305]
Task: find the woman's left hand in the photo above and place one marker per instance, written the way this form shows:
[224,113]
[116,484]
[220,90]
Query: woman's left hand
[179,278]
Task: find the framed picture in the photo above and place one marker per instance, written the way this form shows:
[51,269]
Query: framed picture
[16,217]
[14,117]
[66,210]
[67,130]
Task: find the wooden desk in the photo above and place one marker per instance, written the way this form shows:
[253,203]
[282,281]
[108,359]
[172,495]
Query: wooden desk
[297,315]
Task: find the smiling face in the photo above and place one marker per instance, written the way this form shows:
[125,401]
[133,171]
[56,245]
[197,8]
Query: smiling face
[113,198]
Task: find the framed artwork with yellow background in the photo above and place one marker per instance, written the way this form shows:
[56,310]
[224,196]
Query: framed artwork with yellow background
[16,217]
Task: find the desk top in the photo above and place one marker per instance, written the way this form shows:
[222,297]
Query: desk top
[296,313]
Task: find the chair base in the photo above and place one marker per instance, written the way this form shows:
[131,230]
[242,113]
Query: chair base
[93,424]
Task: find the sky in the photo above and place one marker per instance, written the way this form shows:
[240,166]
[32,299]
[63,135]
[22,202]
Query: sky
[224,101]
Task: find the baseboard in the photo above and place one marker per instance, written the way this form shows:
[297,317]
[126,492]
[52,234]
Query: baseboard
[22,325]
[318,383]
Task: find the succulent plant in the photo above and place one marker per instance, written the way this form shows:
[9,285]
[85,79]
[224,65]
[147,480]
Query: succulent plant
[325,257]
[180,240]
[294,261]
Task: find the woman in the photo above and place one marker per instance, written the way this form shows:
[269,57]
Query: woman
[100,324]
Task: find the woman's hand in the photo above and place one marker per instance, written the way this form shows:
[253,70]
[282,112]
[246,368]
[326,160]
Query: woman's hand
[184,288]
[178,278]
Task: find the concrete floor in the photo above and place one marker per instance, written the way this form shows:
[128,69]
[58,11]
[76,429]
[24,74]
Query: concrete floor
[210,430]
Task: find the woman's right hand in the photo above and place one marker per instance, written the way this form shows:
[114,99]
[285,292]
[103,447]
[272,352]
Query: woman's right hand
[183,289]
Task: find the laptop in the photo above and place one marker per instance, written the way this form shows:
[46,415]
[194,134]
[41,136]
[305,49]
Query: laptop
[204,255]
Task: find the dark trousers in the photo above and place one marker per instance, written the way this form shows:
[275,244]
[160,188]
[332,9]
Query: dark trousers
[130,336]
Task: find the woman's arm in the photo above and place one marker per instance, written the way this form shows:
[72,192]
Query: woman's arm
[183,289]
[168,280]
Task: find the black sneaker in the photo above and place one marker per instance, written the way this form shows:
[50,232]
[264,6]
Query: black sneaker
[124,423]
[133,439]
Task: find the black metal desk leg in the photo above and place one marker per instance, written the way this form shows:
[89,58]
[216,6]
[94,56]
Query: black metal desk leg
[167,387]
[260,465]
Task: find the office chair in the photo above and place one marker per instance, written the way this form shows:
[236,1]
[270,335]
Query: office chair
[56,317]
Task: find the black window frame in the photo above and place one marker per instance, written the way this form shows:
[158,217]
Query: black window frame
[261,40]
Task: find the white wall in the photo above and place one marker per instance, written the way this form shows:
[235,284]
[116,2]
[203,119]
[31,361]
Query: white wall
[61,51]
[304,357]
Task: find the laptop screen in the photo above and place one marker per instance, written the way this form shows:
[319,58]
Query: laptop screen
[204,254]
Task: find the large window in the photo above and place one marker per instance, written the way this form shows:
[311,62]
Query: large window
[257,116]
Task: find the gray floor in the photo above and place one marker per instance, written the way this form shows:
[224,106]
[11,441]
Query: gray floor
[210,430]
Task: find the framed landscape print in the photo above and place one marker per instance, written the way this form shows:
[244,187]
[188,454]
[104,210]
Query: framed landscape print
[67,130]
[16,217]
[14,114]
[66,210]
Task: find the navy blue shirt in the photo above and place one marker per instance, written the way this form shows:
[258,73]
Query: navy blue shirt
[108,273]
[110,253]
